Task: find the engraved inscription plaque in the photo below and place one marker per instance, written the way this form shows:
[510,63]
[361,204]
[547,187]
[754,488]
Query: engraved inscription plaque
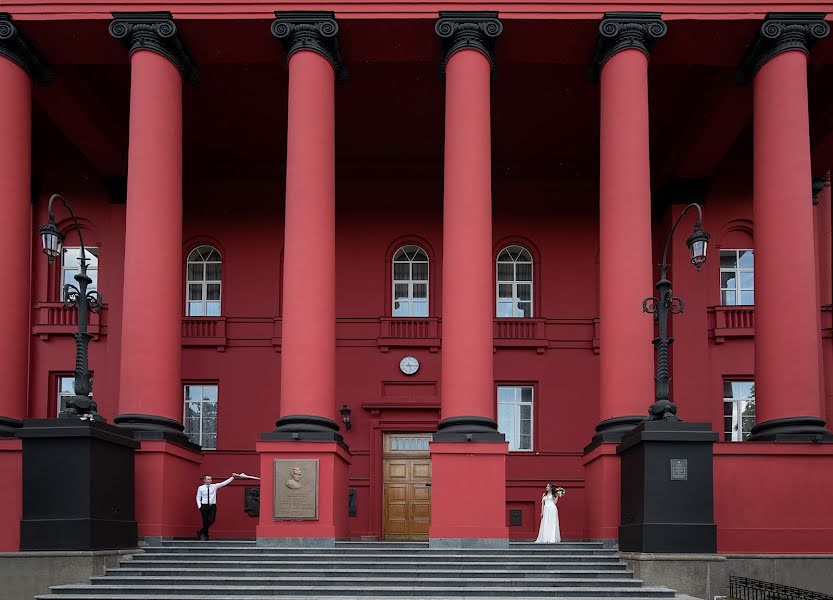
[679,469]
[296,490]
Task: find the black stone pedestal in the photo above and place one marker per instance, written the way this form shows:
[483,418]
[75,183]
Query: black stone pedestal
[78,486]
[667,488]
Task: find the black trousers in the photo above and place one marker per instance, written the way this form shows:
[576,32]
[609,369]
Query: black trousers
[209,515]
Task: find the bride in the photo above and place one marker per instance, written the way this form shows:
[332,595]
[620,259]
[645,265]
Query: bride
[550,532]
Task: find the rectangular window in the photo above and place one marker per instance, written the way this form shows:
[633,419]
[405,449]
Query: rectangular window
[200,415]
[66,389]
[71,266]
[737,277]
[514,416]
[738,410]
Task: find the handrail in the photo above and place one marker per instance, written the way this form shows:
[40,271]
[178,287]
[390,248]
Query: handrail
[744,588]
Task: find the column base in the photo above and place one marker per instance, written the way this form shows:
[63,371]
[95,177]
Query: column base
[152,424]
[305,511]
[468,429]
[305,427]
[92,464]
[667,490]
[9,426]
[466,470]
[613,430]
[602,491]
[791,429]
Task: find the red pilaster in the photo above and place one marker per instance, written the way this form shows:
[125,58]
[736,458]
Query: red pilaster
[15,237]
[308,343]
[467,356]
[151,331]
[625,261]
[787,333]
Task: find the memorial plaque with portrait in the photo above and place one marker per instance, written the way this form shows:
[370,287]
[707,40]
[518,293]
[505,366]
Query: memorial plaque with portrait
[296,490]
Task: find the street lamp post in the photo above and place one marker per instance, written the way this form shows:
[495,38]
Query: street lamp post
[81,405]
[663,305]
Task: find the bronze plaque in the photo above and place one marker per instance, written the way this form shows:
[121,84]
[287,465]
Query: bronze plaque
[296,490]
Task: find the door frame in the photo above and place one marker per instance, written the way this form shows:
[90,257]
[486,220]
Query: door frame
[419,455]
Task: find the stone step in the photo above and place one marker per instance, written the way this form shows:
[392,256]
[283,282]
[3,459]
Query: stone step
[341,565]
[533,549]
[324,573]
[251,597]
[342,591]
[350,580]
[199,553]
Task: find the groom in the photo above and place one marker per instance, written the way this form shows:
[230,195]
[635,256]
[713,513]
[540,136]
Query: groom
[207,502]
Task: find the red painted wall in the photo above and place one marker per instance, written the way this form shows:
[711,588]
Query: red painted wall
[558,223]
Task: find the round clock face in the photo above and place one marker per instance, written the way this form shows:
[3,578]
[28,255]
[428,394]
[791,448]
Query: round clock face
[409,365]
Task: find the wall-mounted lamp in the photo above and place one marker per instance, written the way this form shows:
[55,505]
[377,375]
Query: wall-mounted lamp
[345,416]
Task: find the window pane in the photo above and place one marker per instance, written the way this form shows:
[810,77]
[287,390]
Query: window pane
[504,257]
[209,441]
[524,310]
[504,309]
[525,443]
[401,271]
[213,271]
[195,292]
[525,411]
[400,291]
[747,280]
[419,271]
[727,280]
[401,309]
[209,392]
[742,389]
[195,309]
[526,394]
[504,290]
[727,389]
[93,273]
[526,427]
[195,271]
[524,292]
[747,259]
[728,259]
[420,290]
[213,291]
[505,272]
[747,298]
[212,309]
[209,425]
[523,272]
[192,425]
[67,385]
[419,309]
[728,298]
[505,394]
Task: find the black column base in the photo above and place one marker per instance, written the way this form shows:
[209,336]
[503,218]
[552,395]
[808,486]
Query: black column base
[613,430]
[9,426]
[468,429]
[154,427]
[78,486]
[305,428]
[667,488]
[791,429]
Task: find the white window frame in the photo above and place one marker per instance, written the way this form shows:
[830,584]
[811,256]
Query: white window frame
[195,257]
[515,403]
[410,282]
[68,272]
[738,408]
[62,396]
[197,436]
[514,282]
[736,271]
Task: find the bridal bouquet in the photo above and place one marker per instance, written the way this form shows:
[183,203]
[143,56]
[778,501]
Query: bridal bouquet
[560,491]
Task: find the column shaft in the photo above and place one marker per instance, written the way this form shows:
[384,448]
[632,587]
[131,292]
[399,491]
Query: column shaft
[15,238]
[151,387]
[786,307]
[625,252]
[468,290]
[308,316]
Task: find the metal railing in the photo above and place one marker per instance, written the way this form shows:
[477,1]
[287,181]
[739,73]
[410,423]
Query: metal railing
[743,588]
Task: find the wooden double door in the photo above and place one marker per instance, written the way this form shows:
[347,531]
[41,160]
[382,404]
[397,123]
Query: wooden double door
[407,486]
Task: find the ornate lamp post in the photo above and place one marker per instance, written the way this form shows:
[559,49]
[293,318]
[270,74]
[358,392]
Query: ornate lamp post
[666,304]
[80,405]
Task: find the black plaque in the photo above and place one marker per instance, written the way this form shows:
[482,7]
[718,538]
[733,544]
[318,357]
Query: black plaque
[351,502]
[679,469]
[515,518]
[251,501]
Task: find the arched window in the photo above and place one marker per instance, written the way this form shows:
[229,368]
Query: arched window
[514,282]
[410,282]
[204,280]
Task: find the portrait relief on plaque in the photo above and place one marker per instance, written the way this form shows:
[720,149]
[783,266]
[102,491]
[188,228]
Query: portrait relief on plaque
[296,490]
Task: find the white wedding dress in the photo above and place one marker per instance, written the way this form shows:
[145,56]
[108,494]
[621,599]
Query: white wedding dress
[550,532]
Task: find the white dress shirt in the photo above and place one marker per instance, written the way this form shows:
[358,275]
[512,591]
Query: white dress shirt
[207,492]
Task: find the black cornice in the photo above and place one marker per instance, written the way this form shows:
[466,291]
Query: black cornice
[781,32]
[472,30]
[14,47]
[623,30]
[310,30]
[154,31]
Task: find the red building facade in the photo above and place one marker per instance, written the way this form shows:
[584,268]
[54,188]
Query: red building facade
[283,232]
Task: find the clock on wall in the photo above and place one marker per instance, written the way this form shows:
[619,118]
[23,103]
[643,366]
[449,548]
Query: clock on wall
[409,365]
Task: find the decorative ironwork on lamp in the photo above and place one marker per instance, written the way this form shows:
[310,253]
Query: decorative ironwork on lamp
[663,305]
[81,405]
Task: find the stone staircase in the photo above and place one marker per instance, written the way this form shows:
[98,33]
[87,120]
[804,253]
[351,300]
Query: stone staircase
[240,570]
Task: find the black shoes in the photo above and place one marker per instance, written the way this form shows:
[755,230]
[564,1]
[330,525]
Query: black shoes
[199,534]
